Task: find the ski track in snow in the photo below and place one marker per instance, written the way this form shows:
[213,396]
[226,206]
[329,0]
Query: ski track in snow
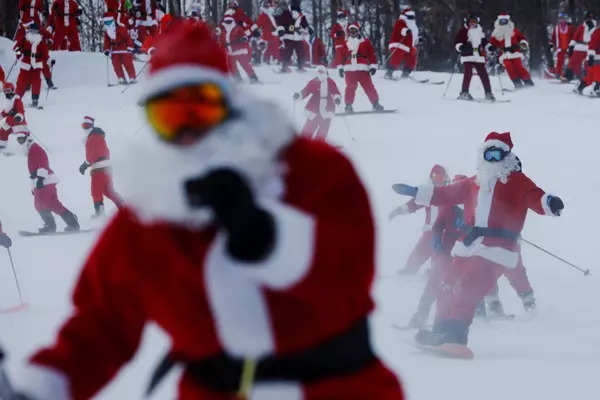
[554,355]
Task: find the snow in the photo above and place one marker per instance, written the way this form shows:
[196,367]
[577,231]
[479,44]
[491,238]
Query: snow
[554,354]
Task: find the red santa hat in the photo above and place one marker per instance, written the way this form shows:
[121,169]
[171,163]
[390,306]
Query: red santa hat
[108,17]
[354,25]
[342,13]
[500,140]
[503,15]
[438,174]
[186,54]
[88,120]
[408,11]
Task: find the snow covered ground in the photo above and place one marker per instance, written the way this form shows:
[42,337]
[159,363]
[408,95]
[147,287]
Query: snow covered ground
[554,355]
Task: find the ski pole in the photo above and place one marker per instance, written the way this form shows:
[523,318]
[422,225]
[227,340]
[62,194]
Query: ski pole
[450,80]
[499,73]
[6,390]
[137,75]
[107,71]
[388,58]
[12,264]
[348,129]
[11,69]
[48,87]
[584,271]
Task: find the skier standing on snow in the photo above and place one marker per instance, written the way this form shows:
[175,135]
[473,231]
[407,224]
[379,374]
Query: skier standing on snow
[578,47]
[511,43]
[290,23]
[31,11]
[268,27]
[47,38]
[235,41]
[324,96]
[13,115]
[359,65]
[44,183]
[33,52]
[97,159]
[593,65]
[470,42]
[562,35]
[495,201]
[119,46]
[239,283]
[403,44]
[423,249]
[338,35]
[65,14]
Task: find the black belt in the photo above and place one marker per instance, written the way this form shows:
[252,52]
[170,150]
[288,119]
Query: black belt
[344,354]
[474,232]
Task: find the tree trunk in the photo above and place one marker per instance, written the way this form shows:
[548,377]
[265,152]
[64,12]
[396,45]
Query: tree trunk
[8,17]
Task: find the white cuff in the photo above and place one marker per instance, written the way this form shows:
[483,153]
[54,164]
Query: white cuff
[41,173]
[41,382]
[403,31]
[424,195]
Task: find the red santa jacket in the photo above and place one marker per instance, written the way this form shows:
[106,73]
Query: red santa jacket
[322,100]
[338,35]
[431,213]
[476,38]
[241,18]
[402,39]
[97,154]
[33,55]
[594,46]
[146,13]
[446,226]
[582,37]
[13,114]
[286,25]
[122,43]
[233,38]
[39,166]
[118,10]
[358,55]
[515,39]
[318,52]
[561,37]
[268,26]
[32,11]
[65,13]
[503,206]
[314,286]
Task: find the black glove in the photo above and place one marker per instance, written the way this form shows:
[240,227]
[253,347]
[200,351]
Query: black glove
[106,52]
[436,242]
[590,61]
[12,112]
[256,33]
[337,101]
[39,183]
[466,49]
[372,71]
[250,229]
[406,190]
[570,50]
[52,62]
[281,32]
[5,240]
[18,119]
[556,204]
[514,48]
[296,96]
[341,71]
[491,48]
[83,167]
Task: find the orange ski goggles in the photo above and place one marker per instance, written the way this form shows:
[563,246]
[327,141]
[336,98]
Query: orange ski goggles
[183,115]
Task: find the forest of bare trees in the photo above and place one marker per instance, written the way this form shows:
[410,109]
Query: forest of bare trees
[438,20]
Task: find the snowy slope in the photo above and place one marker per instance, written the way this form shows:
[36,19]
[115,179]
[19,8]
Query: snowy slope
[554,355]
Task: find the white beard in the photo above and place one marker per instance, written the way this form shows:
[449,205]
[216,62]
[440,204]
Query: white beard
[153,181]
[412,25]
[475,36]
[33,38]
[490,172]
[503,32]
[353,44]
[112,32]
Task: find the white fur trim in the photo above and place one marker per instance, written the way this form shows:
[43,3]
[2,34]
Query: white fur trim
[485,196]
[239,52]
[403,31]
[545,206]
[41,382]
[400,46]
[356,67]
[277,391]
[474,58]
[424,195]
[507,55]
[100,164]
[182,74]
[581,47]
[458,46]
[499,255]
[497,143]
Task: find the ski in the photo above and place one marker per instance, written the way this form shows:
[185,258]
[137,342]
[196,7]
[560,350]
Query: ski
[408,327]
[38,107]
[426,80]
[481,100]
[347,114]
[446,350]
[58,233]
[17,308]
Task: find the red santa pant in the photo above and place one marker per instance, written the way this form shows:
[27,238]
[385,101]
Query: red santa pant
[272,52]
[4,133]
[318,124]
[46,71]
[67,33]
[338,58]
[576,61]
[102,186]
[122,61]
[440,264]
[353,78]
[593,74]
[400,57]
[560,61]
[518,279]
[421,253]
[46,199]
[481,71]
[29,77]
[289,47]
[515,69]
[244,61]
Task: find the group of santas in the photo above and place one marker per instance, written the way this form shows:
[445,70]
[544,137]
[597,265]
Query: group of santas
[472,236]
[62,21]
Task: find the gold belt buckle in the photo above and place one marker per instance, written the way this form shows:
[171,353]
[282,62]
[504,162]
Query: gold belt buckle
[247,378]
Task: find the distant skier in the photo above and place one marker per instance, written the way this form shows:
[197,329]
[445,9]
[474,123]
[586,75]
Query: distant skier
[423,249]
[324,96]
[33,52]
[318,54]
[13,115]
[235,41]
[338,35]
[511,43]
[268,27]
[403,44]
[470,42]
[44,182]
[97,159]
[118,45]
[359,64]
[290,25]
[31,11]
[562,35]
[593,65]
[578,47]
[65,14]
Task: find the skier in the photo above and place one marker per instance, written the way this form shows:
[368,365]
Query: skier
[562,35]
[403,44]
[593,65]
[496,201]
[5,240]
[97,159]
[65,14]
[268,27]
[44,187]
[13,115]
[119,10]
[118,45]
[235,41]
[238,284]
[33,52]
[578,47]
[241,18]
[31,11]
[511,43]
[359,65]
[289,25]
[320,108]
[470,42]
[195,11]
[318,54]
[146,21]
[423,249]
[338,35]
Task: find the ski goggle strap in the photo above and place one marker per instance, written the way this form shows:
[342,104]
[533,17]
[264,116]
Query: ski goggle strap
[494,154]
[185,114]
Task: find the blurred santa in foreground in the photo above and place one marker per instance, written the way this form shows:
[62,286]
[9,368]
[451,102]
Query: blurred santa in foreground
[245,231]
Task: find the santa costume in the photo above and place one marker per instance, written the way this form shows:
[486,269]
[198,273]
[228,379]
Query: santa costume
[511,42]
[562,35]
[31,11]
[592,75]
[244,231]
[268,28]
[12,116]
[290,27]
[320,108]
[579,46]
[34,52]
[338,35]
[403,44]
[496,202]
[146,19]
[119,46]
[234,40]
[65,14]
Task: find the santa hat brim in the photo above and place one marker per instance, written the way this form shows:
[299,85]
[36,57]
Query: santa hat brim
[497,143]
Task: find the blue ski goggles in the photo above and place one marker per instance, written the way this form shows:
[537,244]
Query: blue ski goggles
[494,154]
[503,21]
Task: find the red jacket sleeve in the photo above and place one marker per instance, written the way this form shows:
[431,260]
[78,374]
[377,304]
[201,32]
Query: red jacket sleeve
[95,148]
[309,88]
[106,42]
[370,52]
[2,75]
[455,193]
[533,196]
[334,89]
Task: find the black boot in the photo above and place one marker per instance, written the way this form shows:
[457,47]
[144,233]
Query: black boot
[49,223]
[405,73]
[419,319]
[99,209]
[389,74]
[349,109]
[34,100]
[253,79]
[445,331]
[71,221]
[377,106]
[579,89]
[465,96]
[50,84]
[518,83]
[494,307]
[528,83]
[528,300]
[568,76]
[489,96]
